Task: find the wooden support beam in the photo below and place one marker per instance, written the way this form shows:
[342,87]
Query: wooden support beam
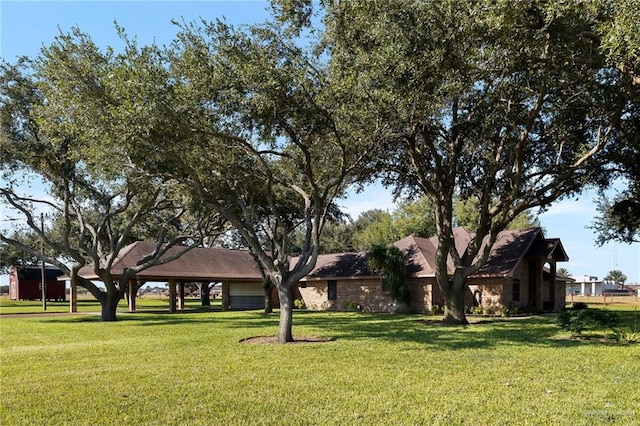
[133,290]
[172,296]
[181,296]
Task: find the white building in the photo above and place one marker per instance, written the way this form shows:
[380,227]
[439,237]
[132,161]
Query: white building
[587,285]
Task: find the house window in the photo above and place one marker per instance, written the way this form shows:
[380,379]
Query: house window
[516,290]
[332,290]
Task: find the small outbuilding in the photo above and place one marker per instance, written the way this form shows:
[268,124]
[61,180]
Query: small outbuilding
[25,283]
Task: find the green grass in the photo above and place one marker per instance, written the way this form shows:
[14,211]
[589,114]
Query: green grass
[89,304]
[190,368]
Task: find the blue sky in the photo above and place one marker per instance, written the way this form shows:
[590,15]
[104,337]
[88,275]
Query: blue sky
[26,25]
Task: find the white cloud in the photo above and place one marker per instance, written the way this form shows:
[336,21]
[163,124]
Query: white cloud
[583,207]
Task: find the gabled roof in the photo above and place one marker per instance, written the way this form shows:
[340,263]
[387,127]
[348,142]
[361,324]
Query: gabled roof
[215,264]
[510,248]
[340,266]
[420,255]
[548,249]
[196,264]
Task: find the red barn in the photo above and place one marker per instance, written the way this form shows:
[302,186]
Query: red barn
[24,283]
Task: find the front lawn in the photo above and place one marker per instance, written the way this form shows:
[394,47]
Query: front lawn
[87,303]
[191,368]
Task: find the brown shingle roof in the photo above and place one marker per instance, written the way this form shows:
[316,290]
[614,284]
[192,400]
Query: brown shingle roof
[420,254]
[340,265]
[215,264]
[194,265]
[510,247]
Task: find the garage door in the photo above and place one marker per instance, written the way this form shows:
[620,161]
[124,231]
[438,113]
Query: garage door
[246,296]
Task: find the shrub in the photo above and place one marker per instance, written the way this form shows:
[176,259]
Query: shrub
[477,310]
[505,312]
[577,320]
[579,305]
[491,310]
[350,305]
[628,336]
[299,304]
[437,310]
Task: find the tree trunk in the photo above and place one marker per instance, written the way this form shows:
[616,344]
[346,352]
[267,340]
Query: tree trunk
[453,294]
[205,294]
[286,314]
[268,296]
[109,305]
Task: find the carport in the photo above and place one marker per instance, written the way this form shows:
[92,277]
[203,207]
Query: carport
[235,269]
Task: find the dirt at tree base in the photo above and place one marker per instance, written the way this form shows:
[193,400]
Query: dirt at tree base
[273,340]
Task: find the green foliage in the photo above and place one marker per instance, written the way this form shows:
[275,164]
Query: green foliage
[577,320]
[618,219]
[628,336]
[391,262]
[379,227]
[437,310]
[13,256]
[477,310]
[414,217]
[374,228]
[299,304]
[71,117]
[617,276]
[508,103]
[467,214]
[351,305]
[621,39]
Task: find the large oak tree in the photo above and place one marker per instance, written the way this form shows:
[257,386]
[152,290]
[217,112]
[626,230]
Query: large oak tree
[271,148]
[55,138]
[508,102]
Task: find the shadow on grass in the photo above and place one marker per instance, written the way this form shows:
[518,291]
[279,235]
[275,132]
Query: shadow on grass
[530,331]
[417,329]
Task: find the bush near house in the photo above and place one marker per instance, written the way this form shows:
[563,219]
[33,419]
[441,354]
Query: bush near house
[580,318]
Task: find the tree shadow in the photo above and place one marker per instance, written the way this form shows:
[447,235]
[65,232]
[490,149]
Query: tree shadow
[530,331]
[424,331]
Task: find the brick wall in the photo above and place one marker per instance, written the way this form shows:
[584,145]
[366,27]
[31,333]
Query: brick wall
[421,294]
[315,294]
[561,295]
[494,292]
[366,293]
[521,272]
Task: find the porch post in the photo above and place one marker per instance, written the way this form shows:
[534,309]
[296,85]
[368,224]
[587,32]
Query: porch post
[181,296]
[73,297]
[172,296]
[539,285]
[552,285]
[133,289]
[225,295]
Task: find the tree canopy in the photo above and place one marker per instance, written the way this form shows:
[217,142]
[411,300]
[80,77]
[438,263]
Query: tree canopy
[509,103]
[477,113]
[617,276]
[97,200]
